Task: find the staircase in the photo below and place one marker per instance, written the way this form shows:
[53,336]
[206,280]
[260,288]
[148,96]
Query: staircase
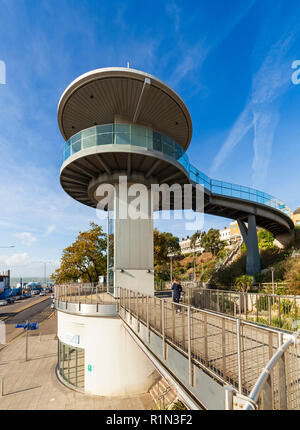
[163,395]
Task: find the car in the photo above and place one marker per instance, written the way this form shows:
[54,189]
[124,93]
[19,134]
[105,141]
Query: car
[43,293]
[3,302]
[27,295]
[35,292]
[19,297]
[10,300]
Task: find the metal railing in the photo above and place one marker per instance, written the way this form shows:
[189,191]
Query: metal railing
[84,294]
[278,385]
[231,350]
[280,311]
[145,137]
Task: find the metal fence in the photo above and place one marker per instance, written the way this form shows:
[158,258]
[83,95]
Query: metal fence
[278,385]
[231,350]
[83,294]
[280,311]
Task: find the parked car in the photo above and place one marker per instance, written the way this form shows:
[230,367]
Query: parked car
[27,295]
[3,302]
[10,300]
[19,297]
[35,292]
[43,293]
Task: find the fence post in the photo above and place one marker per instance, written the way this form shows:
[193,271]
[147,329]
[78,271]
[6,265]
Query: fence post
[228,397]
[282,390]
[205,339]
[223,349]
[163,327]
[279,311]
[148,318]
[190,347]
[239,353]
[1,386]
[269,309]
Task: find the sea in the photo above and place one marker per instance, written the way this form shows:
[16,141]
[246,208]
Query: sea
[14,281]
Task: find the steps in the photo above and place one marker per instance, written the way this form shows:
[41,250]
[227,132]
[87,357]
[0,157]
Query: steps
[162,394]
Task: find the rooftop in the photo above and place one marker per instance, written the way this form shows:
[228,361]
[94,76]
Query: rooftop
[101,95]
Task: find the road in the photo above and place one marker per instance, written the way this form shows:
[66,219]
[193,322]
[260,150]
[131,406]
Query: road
[10,310]
[36,312]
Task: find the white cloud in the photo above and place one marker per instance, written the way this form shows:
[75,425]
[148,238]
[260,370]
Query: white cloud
[17,260]
[25,238]
[50,230]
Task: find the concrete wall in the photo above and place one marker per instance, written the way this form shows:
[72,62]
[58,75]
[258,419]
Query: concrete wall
[133,250]
[119,367]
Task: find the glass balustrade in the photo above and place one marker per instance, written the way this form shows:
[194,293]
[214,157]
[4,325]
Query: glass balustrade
[143,137]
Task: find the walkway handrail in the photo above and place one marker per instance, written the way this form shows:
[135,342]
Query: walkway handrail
[266,372]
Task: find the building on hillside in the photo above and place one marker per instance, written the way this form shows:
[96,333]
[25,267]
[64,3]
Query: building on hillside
[296,217]
[185,246]
[232,234]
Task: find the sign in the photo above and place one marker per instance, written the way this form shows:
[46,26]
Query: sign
[70,338]
[89,367]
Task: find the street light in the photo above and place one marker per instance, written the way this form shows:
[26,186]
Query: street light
[272,269]
[171,266]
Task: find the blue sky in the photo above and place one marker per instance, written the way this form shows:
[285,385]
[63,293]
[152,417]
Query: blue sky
[230,61]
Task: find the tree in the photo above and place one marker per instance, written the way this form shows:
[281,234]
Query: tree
[211,241]
[243,283]
[164,244]
[265,239]
[85,259]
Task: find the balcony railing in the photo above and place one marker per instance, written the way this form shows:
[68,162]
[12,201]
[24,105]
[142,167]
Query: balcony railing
[144,137]
[85,299]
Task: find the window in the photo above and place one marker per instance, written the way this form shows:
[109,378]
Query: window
[71,364]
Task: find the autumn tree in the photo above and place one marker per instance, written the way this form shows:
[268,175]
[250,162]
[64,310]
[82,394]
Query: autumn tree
[211,241]
[164,244]
[85,259]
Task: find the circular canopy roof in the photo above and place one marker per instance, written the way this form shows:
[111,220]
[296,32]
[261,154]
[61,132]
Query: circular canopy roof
[101,95]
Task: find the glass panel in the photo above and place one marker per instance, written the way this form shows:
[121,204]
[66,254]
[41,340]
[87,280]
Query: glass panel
[106,128]
[89,141]
[139,136]
[76,146]
[122,138]
[71,364]
[104,139]
[157,144]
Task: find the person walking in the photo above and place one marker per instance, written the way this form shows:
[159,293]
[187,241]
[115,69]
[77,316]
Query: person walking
[177,289]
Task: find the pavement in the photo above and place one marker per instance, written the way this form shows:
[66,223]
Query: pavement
[33,385]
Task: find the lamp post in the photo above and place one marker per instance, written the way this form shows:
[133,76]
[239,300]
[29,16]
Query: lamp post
[171,266]
[272,269]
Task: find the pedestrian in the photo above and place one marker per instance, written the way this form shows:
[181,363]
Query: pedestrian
[177,289]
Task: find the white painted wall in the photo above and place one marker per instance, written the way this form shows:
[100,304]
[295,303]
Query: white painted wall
[119,367]
[136,280]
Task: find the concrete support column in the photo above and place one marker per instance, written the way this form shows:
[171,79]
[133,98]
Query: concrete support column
[250,238]
[133,241]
